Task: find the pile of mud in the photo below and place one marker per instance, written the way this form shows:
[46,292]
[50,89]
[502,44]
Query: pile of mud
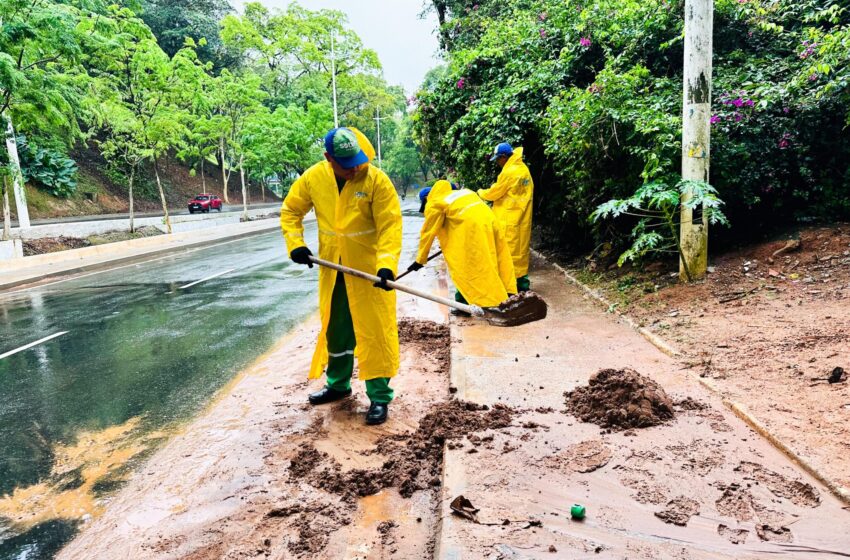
[520,308]
[413,460]
[433,338]
[620,399]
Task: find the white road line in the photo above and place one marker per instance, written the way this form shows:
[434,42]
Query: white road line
[31,344]
[205,279]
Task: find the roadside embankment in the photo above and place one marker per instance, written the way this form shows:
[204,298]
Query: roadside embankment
[766,329]
[35,268]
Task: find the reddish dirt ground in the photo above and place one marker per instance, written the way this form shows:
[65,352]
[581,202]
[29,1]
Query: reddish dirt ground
[767,327]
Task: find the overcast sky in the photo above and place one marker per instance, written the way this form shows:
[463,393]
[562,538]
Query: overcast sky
[405,43]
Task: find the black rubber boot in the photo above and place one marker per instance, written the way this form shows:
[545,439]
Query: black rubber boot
[378,413]
[327,395]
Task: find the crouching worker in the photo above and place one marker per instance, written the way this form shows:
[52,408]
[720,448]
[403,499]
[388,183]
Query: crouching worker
[359,219]
[473,244]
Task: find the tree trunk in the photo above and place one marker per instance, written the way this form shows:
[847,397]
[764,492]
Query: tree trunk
[244,189]
[203,179]
[263,189]
[223,173]
[17,176]
[162,196]
[132,176]
[7,213]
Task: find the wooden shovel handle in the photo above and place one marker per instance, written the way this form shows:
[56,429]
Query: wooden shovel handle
[471,309]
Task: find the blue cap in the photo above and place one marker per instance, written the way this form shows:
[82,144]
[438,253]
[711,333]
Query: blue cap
[341,144]
[503,149]
[455,187]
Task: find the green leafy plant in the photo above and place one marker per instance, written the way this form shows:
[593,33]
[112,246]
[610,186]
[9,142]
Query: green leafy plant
[657,209]
[48,169]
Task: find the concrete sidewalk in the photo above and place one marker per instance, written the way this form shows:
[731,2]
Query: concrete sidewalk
[27,270]
[736,495]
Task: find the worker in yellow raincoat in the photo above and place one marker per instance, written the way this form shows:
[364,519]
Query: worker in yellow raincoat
[359,219]
[511,196]
[473,244]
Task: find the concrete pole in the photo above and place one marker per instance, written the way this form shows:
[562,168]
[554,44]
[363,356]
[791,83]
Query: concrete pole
[696,133]
[333,76]
[378,120]
[17,176]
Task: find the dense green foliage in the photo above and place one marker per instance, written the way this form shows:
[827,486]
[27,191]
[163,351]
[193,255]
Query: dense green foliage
[144,80]
[49,169]
[593,91]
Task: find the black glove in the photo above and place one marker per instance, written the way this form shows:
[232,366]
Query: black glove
[384,274]
[415,266]
[302,255]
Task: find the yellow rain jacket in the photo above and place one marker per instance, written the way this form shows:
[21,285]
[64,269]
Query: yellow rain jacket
[511,196]
[359,227]
[473,243]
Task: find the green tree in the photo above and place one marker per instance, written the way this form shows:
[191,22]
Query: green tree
[234,99]
[40,77]
[172,21]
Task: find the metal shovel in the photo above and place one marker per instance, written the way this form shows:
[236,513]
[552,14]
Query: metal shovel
[519,309]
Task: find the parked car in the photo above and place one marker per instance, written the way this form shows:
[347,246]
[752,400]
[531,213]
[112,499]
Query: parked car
[204,203]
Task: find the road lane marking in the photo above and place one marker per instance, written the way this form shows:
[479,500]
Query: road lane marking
[205,279]
[31,344]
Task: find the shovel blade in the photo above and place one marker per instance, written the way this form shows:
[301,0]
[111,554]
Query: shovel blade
[519,309]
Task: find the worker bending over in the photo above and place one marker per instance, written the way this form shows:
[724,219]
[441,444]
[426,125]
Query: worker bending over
[473,244]
[359,220]
[511,196]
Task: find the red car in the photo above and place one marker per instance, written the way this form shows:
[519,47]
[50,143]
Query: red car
[204,203]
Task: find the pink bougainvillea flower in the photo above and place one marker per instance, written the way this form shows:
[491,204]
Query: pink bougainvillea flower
[738,117]
[460,83]
[715,119]
[542,33]
[542,16]
[813,77]
[749,103]
[512,109]
[585,42]
[783,144]
[738,102]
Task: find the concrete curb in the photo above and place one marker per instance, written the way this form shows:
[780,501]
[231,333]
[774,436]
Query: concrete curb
[739,410]
[164,246]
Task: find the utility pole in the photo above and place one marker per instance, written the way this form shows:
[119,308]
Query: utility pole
[696,133]
[378,119]
[333,76]
[17,176]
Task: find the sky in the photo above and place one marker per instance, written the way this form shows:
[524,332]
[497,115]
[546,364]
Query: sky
[405,43]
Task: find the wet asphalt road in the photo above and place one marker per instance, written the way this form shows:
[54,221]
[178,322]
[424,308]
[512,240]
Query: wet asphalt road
[152,341]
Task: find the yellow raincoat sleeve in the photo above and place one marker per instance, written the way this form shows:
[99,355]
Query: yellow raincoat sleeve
[498,189]
[434,218]
[296,204]
[386,211]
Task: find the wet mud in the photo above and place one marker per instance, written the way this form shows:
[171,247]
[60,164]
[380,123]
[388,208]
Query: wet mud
[620,399]
[800,493]
[410,463]
[678,511]
[427,336]
[583,457]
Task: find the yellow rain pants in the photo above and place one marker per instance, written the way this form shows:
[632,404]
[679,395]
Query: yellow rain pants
[473,244]
[359,227]
[511,196]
